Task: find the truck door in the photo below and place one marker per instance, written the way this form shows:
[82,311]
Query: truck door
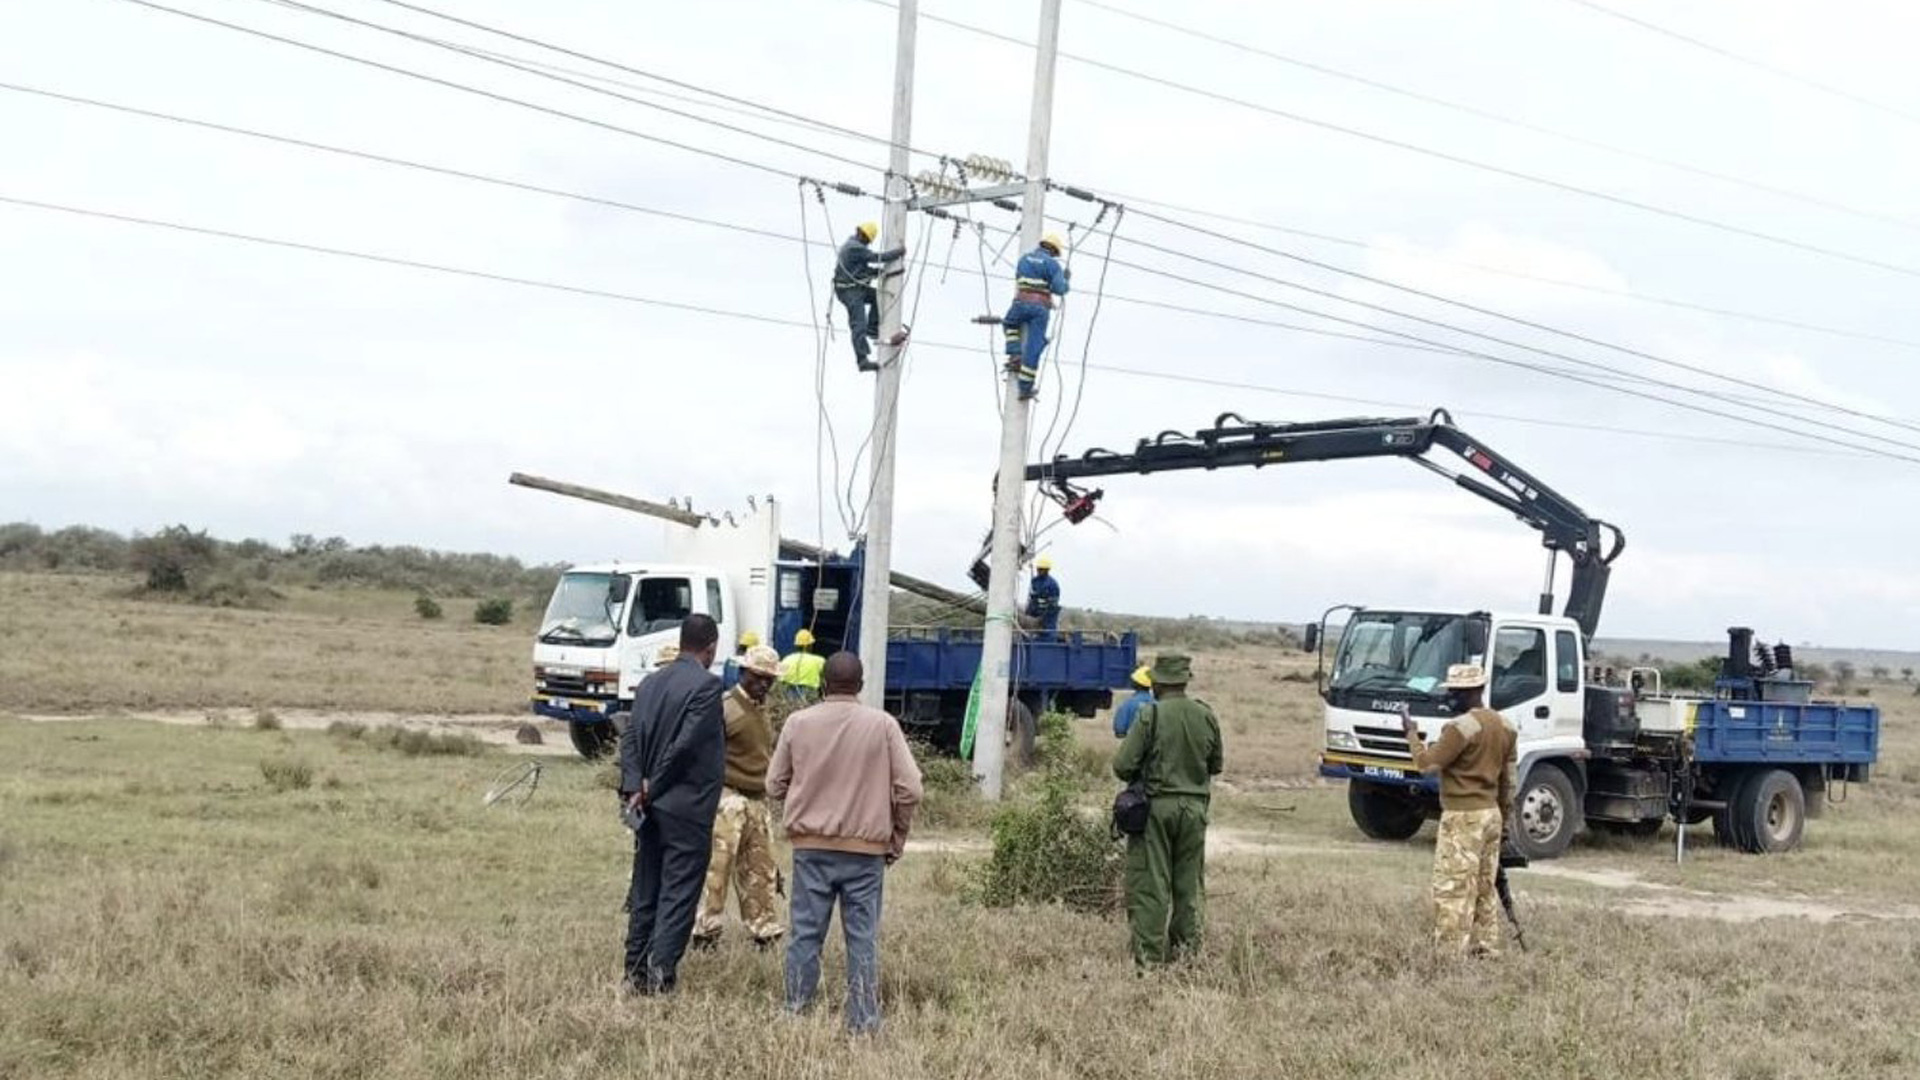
[1519,688]
[1569,686]
[721,612]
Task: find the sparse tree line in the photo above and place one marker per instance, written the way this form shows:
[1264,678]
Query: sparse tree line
[182,562]
[1841,676]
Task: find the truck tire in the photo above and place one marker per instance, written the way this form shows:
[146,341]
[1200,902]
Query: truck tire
[1546,813]
[1771,813]
[1384,813]
[1728,822]
[593,740]
[1021,732]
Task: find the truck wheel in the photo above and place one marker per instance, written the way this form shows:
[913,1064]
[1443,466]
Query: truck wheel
[592,740]
[1771,813]
[1545,813]
[1021,730]
[1728,822]
[1384,813]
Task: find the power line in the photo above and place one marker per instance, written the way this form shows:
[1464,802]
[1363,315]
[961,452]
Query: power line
[656,77]
[497,59]
[608,294]
[1522,275]
[1499,118]
[1517,320]
[1761,65]
[1440,155]
[464,88]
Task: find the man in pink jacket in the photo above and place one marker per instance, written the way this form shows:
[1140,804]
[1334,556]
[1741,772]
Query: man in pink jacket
[850,785]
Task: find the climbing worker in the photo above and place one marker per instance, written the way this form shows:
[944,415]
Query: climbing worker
[1173,748]
[800,669]
[853,273]
[1142,693]
[1043,596]
[1037,279]
[1475,758]
[743,831]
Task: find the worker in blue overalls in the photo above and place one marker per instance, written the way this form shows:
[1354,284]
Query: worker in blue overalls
[1037,279]
[1043,596]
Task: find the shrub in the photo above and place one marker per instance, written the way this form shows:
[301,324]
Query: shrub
[287,774]
[495,612]
[416,743]
[173,557]
[266,720]
[238,592]
[1047,851]
[427,607]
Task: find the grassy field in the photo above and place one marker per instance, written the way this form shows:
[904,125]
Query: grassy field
[241,901]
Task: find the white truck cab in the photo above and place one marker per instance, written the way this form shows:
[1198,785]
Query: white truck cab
[1389,659]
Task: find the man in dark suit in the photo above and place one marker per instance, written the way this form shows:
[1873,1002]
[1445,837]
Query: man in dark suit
[671,764]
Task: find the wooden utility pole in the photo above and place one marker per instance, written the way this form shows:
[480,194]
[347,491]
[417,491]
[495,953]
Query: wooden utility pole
[989,750]
[875,596]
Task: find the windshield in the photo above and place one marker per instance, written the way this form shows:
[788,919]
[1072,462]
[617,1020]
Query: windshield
[583,611]
[1389,652]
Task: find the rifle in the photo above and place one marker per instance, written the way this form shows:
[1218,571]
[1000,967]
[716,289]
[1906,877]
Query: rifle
[1510,858]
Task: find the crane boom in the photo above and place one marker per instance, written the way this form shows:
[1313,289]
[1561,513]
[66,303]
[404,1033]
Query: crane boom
[1589,543]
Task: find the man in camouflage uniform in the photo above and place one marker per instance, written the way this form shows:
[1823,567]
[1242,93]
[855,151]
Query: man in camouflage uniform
[1475,759]
[742,833]
[1174,745]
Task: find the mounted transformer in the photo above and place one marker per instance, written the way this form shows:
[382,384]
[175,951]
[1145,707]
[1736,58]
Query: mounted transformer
[1619,757]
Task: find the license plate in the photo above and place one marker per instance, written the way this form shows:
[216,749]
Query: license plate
[1383,773]
[557,702]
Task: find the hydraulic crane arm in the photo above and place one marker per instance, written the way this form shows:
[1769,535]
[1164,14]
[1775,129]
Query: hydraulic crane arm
[1591,544]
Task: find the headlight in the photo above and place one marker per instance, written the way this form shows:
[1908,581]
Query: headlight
[539,684]
[1342,740]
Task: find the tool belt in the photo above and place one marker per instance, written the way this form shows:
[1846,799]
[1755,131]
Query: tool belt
[1033,296]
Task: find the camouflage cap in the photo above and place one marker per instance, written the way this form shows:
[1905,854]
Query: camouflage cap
[1172,669]
[761,660]
[667,655]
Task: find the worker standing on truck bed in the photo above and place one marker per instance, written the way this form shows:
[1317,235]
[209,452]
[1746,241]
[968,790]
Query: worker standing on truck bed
[1043,596]
[1174,747]
[1123,716]
[853,273]
[742,831]
[1475,759]
[1037,279]
[801,668]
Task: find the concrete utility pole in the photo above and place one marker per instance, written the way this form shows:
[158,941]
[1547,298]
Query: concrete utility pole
[876,599]
[996,653]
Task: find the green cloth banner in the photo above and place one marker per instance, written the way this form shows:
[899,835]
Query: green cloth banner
[973,717]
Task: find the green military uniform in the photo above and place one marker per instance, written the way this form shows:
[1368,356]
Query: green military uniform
[1176,741]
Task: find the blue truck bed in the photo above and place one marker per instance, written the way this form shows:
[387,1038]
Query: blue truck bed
[1766,732]
[922,659]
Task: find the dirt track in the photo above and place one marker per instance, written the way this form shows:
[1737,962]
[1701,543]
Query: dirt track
[495,728]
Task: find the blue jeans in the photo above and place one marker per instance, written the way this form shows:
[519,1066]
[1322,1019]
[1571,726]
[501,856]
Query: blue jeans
[819,879]
[863,318]
[1026,328]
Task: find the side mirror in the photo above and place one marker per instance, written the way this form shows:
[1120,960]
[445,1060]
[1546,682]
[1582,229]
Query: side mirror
[1310,640]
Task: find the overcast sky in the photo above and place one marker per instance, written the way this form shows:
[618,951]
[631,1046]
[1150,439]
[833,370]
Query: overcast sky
[152,377]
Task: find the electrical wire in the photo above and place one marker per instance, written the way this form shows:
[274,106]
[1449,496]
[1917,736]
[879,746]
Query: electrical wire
[450,84]
[1761,65]
[607,294]
[1517,320]
[1435,153]
[1522,275]
[1499,118]
[495,59]
[823,424]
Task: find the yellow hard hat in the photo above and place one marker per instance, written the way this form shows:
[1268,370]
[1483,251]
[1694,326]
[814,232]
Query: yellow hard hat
[1052,240]
[1143,676]
[803,639]
[1044,563]
[749,639]
[868,230]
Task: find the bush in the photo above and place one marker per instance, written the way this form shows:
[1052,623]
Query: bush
[1045,850]
[266,720]
[427,607]
[416,743]
[237,592]
[495,612]
[287,774]
[173,557]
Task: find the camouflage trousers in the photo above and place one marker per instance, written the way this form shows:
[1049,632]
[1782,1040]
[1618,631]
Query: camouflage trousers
[742,855]
[1466,858]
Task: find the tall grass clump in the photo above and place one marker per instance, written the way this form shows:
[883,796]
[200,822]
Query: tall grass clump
[1047,849]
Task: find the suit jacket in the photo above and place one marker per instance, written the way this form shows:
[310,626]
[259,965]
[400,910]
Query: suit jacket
[677,741]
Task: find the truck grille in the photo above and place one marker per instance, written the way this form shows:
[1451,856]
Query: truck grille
[1386,742]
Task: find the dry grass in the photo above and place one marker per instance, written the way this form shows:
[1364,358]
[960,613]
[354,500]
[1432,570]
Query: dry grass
[167,915]
[76,643]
